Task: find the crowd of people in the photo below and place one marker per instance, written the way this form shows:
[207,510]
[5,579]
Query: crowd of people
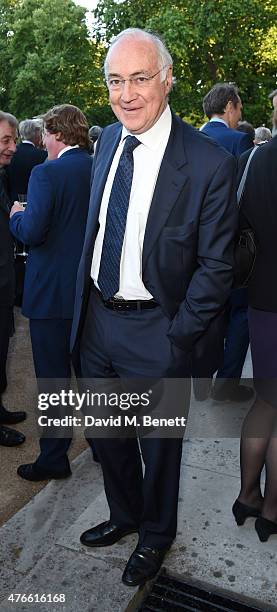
[129,275]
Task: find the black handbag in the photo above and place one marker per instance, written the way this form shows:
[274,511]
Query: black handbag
[245,247]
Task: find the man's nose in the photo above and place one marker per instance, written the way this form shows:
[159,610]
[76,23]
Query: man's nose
[128,92]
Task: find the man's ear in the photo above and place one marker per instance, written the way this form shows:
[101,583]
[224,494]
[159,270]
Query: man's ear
[58,136]
[169,80]
[228,107]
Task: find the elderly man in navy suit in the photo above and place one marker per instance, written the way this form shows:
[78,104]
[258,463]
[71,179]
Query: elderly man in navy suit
[53,225]
[28,154]
[222,104]
[8,135]
[155,270]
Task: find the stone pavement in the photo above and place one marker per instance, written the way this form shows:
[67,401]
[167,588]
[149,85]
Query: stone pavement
[40,550]
[21,394]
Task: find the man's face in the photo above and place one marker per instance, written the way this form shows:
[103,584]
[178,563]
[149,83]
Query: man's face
[235,114]
[137,105]
[8,136]
[52,145]
[274,101]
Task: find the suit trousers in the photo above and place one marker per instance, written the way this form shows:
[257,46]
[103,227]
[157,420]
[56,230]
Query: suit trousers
[133,344]
[50,345]
[5,331]
[237,337]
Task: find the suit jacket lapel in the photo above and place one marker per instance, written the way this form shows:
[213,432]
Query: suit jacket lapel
[101,168]
[171,179]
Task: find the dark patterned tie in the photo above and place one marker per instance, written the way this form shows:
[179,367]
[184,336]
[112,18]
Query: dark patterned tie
[109,272]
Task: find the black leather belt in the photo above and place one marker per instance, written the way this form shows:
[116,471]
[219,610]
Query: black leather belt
[119,304]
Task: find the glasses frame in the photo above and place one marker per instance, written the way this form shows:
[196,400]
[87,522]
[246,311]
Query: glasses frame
[132,80]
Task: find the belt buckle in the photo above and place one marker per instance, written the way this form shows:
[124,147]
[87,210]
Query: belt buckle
[116,305]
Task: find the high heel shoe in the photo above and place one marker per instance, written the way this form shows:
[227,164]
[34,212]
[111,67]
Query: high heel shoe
[241,512]
[265,528]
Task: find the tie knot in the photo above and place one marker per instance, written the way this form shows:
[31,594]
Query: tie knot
[131,142]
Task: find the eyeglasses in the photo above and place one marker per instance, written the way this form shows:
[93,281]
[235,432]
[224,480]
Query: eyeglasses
[140,82]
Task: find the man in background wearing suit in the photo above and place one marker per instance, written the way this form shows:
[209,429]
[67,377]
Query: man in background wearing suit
[28,154]
[53,225]
[8,135]
[155,270]
[222,105]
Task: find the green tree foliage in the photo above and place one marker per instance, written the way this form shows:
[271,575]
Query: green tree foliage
[6,12]
[50,59]
[210,41]
[47,56]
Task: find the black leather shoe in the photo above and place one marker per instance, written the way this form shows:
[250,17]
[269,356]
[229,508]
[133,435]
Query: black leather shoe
[29,471]
[231,393]
[265,528]
[11,418]
[10,437]
[143,565]
[241,512]
[105,534]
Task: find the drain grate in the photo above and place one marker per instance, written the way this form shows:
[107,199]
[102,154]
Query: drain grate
[173,595]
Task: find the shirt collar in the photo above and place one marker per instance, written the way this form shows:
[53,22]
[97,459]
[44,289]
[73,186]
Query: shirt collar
[216,118]
[27,142]
[158,132]
[67,149]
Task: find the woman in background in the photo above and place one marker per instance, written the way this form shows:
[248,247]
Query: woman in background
[259,432]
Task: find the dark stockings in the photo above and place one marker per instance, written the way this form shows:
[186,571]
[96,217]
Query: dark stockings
[259,449]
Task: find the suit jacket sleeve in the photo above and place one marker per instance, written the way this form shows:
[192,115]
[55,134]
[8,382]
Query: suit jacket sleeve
[32,225]
[245,144]
[211,282]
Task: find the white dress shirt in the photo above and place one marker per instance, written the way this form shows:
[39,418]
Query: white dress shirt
[147,161]
[67,149]
[219,119]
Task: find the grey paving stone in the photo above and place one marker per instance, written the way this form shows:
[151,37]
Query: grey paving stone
[36,527]
[88,587]
[40,549]
[209,545]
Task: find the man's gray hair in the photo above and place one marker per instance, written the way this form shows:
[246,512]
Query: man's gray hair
[164,57]
[11,119]
[29,128]
[262,134]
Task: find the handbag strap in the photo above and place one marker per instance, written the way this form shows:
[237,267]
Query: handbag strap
[243,178]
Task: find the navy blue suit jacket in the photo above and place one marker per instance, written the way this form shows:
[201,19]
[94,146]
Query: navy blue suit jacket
[53,224]
[7,278]
[188,244]
[25,158]
[232,140]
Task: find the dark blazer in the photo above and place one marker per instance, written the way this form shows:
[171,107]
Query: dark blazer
[232,140]
[188,244]
[25,158]
[259,206]
[7,278]
[53,224]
